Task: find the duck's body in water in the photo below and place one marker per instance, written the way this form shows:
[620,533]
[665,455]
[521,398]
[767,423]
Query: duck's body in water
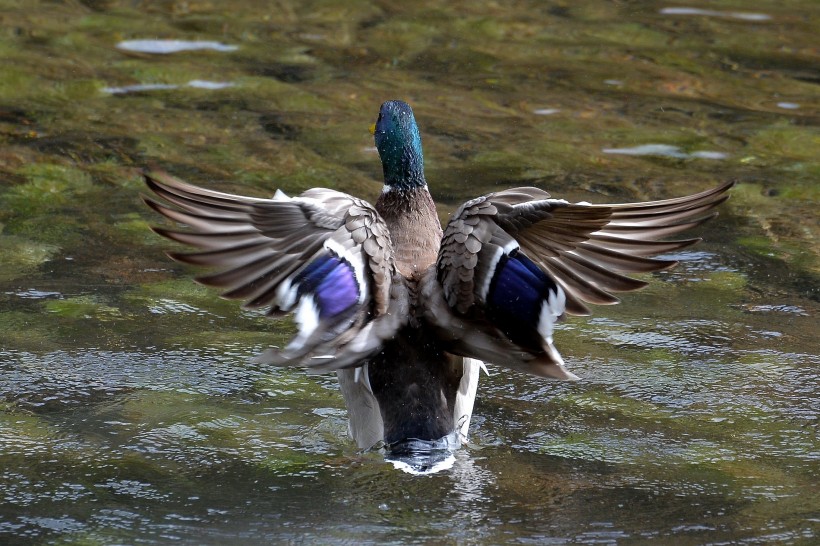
[413,379]
[405,312]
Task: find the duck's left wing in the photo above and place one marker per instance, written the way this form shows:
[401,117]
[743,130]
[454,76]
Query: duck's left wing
[512,263]
[324,255]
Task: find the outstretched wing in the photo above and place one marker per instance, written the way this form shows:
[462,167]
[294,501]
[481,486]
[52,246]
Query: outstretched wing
[512,263]
[324,255]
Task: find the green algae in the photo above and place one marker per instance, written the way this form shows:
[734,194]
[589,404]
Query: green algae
[176,423]
[785,141]
[682,441]
[787,237]
[134,228]
[13,79]
[22,257]
[48,187]
[33,433]
[83,307]
[159,72]
[294,387]
[279,96]
[631,34]
[201,299]
[276,334]
[589,447]
[398,41]
[192,315]
[27,331]
[725,281]
[41,209]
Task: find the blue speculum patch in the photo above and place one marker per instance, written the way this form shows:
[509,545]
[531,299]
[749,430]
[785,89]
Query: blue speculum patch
[333,282]
[517,292]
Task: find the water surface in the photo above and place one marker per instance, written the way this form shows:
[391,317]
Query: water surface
[130,413]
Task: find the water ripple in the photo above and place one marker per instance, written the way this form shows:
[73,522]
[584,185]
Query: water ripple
[142,87]
[63,378]
[164,47]
[744,16]
[665,150]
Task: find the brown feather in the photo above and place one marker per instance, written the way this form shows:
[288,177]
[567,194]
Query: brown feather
[585,248]
[257,244]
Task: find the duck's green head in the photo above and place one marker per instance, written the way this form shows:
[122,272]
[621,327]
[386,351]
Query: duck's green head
[399,145]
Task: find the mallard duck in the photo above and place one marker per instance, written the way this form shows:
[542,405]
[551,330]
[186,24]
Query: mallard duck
[404,312]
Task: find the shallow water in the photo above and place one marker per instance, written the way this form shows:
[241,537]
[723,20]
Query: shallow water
[130,413]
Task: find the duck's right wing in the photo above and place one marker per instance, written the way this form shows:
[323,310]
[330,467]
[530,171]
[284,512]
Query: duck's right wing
[324,255]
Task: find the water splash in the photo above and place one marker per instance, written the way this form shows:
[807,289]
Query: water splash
[423,457]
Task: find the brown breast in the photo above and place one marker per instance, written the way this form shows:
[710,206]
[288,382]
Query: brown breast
[414,228]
